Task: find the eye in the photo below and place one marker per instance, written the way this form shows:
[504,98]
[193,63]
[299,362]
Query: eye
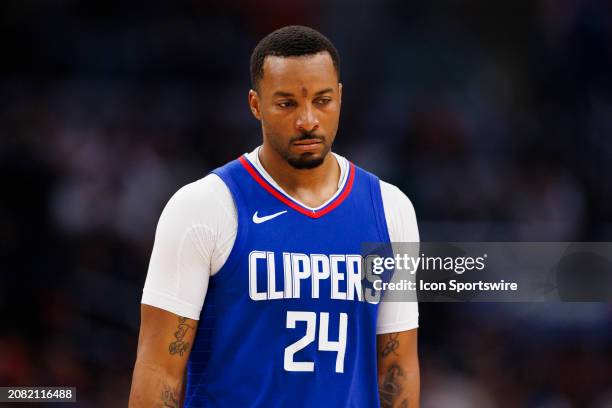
[323,101]
[285,104]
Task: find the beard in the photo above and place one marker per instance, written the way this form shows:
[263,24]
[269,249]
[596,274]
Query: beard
[301,161]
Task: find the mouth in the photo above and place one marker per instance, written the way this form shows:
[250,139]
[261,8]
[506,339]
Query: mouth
[307,142]
[307,145]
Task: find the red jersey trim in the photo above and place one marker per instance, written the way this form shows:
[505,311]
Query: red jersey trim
[280,196]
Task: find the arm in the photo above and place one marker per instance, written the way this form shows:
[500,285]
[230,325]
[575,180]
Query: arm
[193,239]
[398,369]
[398,361]
[164,345]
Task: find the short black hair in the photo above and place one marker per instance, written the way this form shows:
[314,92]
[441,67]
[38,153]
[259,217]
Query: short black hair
[290,41]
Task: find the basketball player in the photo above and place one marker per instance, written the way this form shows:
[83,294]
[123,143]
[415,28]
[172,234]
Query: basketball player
[253,296]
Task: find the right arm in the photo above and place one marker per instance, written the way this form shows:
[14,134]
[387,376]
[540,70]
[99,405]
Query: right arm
[164,345]
[194,236]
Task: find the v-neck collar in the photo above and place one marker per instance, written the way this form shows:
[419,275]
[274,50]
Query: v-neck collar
[285,198]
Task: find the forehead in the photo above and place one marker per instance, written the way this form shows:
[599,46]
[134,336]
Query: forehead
[290,72]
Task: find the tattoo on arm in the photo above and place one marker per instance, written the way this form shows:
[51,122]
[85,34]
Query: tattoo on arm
[179,346]
[391,387]
[391,345]
[169,397]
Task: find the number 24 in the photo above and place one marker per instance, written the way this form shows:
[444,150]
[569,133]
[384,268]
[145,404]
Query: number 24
[324,344]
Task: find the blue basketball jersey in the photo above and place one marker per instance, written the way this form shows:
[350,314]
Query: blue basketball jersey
[287,321]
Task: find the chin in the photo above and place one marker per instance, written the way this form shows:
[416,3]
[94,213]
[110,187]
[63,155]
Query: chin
[306,161]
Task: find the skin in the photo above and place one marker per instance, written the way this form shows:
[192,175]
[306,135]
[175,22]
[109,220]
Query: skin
[298,104]
[398,369]
[297,100]
[164,344]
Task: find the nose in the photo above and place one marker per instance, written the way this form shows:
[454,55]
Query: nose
[307,120]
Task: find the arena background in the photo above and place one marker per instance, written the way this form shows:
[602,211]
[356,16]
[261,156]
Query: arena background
[496,121]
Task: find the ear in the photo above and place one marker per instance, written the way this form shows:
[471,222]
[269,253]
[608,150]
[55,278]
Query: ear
[340,91]
[254,104]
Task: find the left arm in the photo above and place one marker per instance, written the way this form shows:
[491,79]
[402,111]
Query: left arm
[398,369]
[398,362]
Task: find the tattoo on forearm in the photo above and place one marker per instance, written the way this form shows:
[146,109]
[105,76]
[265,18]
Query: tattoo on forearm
[391,387]
[391,345]
[169,397]
[179,346]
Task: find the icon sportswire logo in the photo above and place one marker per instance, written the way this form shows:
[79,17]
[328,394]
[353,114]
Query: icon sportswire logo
[259,220]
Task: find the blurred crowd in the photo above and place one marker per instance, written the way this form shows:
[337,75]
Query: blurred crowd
[496,121]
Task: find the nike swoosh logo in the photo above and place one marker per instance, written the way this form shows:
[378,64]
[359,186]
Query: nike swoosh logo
[259,220]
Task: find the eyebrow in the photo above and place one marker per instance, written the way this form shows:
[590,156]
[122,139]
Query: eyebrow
[283,94]
[289,94]
[323,91]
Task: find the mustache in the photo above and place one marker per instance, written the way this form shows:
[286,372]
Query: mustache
[306,136]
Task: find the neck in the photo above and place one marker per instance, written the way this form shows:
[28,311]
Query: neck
[313,187]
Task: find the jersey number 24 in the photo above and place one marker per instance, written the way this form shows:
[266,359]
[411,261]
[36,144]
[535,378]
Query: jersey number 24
[324,344]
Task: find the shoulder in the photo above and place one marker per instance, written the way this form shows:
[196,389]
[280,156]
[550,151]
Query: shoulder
[399,213]
[206,199]
[193,194]
[210,186]
[394,198]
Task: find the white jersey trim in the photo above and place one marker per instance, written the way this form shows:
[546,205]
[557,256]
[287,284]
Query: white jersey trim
[253,158]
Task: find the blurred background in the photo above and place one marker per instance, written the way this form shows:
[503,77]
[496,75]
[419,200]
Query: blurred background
[496,121]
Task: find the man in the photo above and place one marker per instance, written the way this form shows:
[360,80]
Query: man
[253,296]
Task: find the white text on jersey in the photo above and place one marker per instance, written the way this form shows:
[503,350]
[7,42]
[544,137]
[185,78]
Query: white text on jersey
[298,268]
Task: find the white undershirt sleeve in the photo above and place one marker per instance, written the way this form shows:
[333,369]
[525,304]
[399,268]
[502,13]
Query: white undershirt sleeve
[402,225]
[193,239]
